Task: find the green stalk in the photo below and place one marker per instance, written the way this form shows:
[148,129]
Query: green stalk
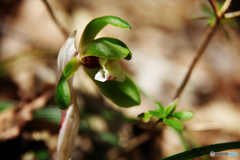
[182,139]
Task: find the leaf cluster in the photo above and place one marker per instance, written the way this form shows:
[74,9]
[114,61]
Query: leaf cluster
[168,116]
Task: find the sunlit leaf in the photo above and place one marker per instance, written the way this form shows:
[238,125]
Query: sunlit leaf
[157,113]
[123,94]
[160,106]
[170,108]
[96,25]
[183,115]
[109,48]
[175,124]
[145,117]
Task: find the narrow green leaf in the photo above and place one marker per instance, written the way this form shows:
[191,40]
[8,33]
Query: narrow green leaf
[123,94]
[231,22]
[207,10]
[109,48]
[183,115]
[157,113]
[225,32]
[71,68]
[96,25]
[175,124]
[197,152]
[145,117]
[160,106]
[211,21]
[170,108]
[63,94]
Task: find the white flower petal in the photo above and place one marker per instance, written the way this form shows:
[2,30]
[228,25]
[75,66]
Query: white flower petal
[66,53]
[111,70]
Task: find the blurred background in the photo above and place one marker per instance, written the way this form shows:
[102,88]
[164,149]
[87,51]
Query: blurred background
[163,40]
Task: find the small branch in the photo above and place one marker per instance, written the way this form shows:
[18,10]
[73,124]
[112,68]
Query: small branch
[208,35]
[225,6]
[232,14]
[63,30]
[214,6]
[200,50]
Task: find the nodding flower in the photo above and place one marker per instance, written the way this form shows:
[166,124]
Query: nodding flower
[100,60]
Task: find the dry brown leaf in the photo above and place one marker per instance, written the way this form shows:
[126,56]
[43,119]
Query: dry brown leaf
[13,120]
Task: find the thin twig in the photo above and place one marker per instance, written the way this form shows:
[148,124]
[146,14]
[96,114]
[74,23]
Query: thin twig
[62,29]
[208,35]
[214,6]
[225,6]
[200,50]
[232,14]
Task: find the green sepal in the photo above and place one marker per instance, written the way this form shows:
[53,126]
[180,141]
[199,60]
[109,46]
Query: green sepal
[145,117]
[96,25]
[175,124]
[157,113]
[109,48]
[123,94]
[170,108]
[183,115]
[63,94]
[71,68]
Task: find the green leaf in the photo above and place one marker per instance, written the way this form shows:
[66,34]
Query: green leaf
[211,21]
[96,25]
[123,94]
[108,137]
[225,32]
[109,48]
[231,22]
[157,113]
[71,68]
[175,124]
[170,108]
[160,106]
[183,115]
[145,117]
[207,10]
[63,94]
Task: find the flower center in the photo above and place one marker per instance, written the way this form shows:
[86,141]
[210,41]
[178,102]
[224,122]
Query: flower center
[90,62]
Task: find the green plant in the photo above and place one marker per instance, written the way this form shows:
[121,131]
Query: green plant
[168,116]
[100,60]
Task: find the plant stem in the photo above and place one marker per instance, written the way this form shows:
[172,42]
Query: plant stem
[181,137]
[196,152]
[63,30]
[200,50]
[207,37]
